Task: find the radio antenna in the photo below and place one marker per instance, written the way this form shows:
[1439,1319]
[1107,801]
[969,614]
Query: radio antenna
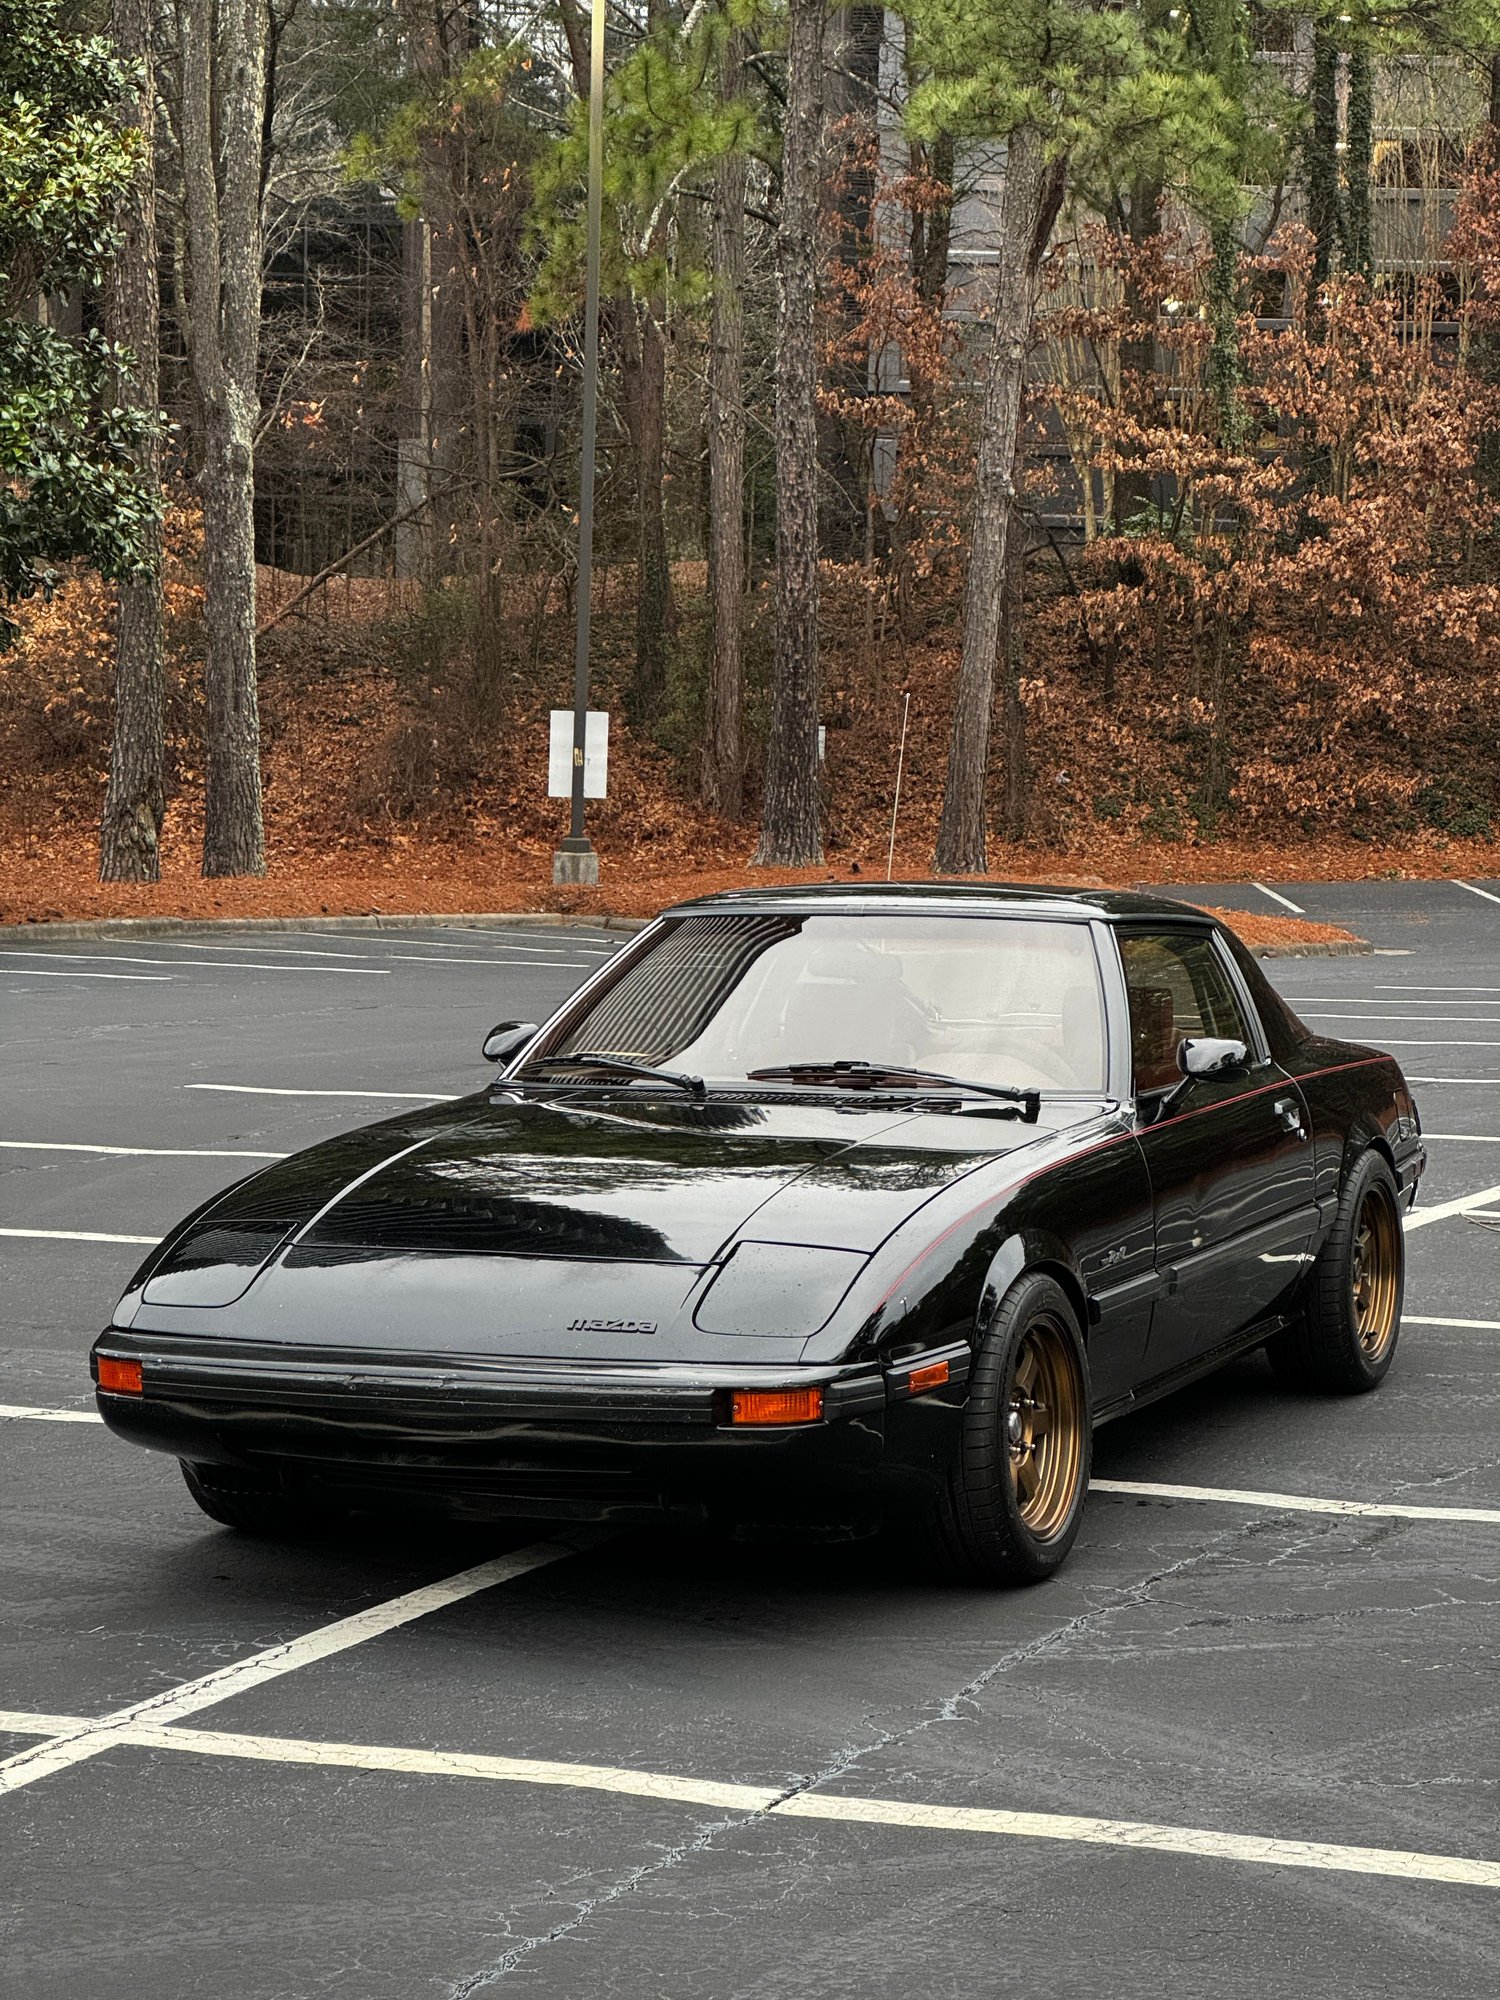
[890,855]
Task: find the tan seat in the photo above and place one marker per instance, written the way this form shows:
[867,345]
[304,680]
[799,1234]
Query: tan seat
[1153,1037]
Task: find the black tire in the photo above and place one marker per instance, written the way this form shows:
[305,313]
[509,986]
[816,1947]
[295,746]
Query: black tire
[1345,1340]
[248,1502]
[986,1527]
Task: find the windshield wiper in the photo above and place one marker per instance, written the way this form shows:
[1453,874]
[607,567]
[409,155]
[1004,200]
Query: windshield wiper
[870,1076]
[622,1066]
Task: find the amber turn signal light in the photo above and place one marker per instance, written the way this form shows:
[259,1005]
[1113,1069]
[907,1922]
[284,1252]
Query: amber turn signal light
[933,1376]
[121,1378]
[776,1406]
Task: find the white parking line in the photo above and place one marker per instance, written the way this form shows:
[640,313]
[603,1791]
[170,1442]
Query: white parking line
[1464,1080]
[279,950]
[1294,1503]
[268,1090]
[135,1152]
[1427,1020]
[23,1413]
[1465,1138]
[762,1801]
[139,978]
[229,965]
[371,958]
[1438,1042]
[1412,986]
[1415,1000]
[1204,1843]
[1475,892]
[1421,1319]
[501,942]
[77,1236]
[1459,1206]
[511,964]
[23,1722]
[553,938]
[88,1738]
[1285,901]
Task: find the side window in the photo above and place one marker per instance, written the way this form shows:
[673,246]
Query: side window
[1177,987]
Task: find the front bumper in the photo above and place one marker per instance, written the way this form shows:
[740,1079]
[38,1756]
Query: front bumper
[480,1438]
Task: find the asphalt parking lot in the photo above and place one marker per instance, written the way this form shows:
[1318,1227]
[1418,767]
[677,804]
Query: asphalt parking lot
[1246,1743]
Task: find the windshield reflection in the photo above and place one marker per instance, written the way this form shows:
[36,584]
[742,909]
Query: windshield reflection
[1000,1000]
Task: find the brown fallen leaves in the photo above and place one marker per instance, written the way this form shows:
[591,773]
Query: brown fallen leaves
[423,878]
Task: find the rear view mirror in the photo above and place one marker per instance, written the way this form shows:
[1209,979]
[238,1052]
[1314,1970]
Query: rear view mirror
[1206,1055]
[506,1039]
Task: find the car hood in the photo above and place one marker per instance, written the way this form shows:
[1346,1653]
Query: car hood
[398,1223]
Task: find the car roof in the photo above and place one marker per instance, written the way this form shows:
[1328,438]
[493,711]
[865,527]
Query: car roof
[1029,899]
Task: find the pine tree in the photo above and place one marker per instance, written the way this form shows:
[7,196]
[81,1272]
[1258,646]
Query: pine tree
[1085,95]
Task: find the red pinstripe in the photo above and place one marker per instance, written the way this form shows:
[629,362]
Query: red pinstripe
[1119,1138]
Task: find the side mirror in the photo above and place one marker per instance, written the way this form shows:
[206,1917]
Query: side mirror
[506,1039]
[1205,1055]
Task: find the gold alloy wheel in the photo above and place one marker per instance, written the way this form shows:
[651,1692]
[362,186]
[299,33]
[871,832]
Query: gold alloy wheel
[1044,1420]
[1375,1273]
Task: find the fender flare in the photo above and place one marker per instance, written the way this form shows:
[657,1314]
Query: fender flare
[1028,1249]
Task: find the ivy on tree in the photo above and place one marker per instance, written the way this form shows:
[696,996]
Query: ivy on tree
[68,485]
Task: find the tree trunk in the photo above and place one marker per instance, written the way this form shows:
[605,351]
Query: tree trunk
[1134,487]
[644,386]
[440,39]
[791,835]
[1359,160]
[1033,194]
[1225,371]
[130,833]
[223,114]
[932,228]
[1221,31]
[723,781]
[1320,160]
[1013,712]
[931,242]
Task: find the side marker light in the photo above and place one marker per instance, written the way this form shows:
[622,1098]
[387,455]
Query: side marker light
[933,1376]
[120,1378]
[776,1406]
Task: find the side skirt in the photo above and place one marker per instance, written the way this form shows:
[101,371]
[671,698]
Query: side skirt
[1157,1386]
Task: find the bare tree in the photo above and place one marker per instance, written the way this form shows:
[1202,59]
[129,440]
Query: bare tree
[724,745]
[791,835]
[223,141]
[135,800]
[1033,194]
[643,395]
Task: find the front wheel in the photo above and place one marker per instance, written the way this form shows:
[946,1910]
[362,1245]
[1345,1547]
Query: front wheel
[1014,1496]
[1346,1339]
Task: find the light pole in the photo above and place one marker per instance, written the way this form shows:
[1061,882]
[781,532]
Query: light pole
[576,860]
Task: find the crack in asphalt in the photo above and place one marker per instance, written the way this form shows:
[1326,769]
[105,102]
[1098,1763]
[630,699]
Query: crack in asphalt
[949,1709]
[671,1857]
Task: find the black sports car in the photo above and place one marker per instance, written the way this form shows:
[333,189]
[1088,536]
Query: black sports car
[837,1205]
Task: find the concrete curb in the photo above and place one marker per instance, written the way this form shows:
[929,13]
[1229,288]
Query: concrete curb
[165,927]
[149,927]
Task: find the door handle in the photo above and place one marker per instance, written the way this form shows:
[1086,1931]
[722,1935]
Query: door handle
[1289,1111]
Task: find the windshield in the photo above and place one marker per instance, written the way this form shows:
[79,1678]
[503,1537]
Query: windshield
[992,999]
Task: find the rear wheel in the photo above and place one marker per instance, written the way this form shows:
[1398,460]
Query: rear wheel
[1015,1494]
[247,1501]
[1346,1338]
